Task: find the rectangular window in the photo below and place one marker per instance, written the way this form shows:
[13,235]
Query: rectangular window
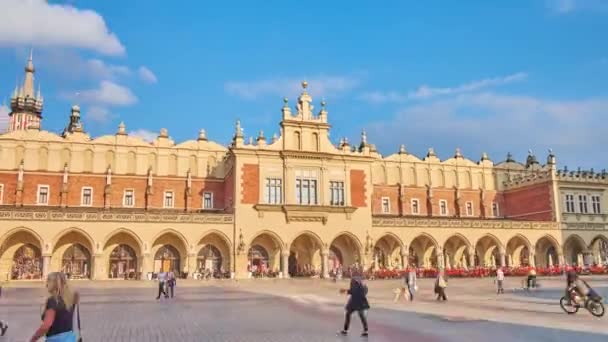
[86,196]
[1,193]
[43,195]
[570,203]
[582,204]
[168,199]
[443,208]
[495,210]
[386,205]
[595,202]
[208,200]
[128,198]
[337,193]
[415,206]
[306,191]
[469,206]
[274,192]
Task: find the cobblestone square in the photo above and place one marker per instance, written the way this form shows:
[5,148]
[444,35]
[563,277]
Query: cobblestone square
[300,310]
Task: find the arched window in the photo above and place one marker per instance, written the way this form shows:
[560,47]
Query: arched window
[209,258]
[123,262]
[27,263]
[76,262]
[258,258]
[166,259]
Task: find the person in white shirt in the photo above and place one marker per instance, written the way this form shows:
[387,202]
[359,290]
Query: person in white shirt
[500,277]
[162,280]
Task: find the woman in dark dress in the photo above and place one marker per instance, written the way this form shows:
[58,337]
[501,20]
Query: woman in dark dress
[357,302]
[58,311]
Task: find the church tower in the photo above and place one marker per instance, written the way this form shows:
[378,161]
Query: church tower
[26,108]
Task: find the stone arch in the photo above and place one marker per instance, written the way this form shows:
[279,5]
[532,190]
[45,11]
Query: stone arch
[456,251]
[71,239]
[305,254]
[122,253]
[21,254]
[219,241]
[272,245]
[43,158]
[170,242]
[349,248]
[547,251]
[315,142]
[487,251]
[387,251]
[599,248]
[131,162]
[297,140]
[574,250]
[424,251]
[519,252]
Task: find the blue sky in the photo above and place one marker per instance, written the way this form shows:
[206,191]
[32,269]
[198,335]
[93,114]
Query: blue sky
[479,75]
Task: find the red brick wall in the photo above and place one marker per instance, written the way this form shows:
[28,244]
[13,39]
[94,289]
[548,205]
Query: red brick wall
[390,191]
[119,183]
[418,193]
[250,184]
[229,182]
[529,203]
[9,180]
[357,188]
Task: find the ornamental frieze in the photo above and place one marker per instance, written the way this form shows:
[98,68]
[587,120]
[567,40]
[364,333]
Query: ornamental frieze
[66,215]
[457,223]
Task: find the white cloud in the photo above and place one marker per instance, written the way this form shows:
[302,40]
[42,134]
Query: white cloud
[147,75]
[38,23]
[144,134]
[108,93]
[4,110]
[426,92]
[102,70]
[98,114]
[320,85]
[498,123]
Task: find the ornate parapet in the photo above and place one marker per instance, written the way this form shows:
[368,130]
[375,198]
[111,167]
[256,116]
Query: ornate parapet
[109,216]
[305,213]
[460,223]
[583,176]
[584,226]
[530,178]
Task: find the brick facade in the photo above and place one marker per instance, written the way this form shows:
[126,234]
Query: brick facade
[250,184]
[357,188]
[529,203]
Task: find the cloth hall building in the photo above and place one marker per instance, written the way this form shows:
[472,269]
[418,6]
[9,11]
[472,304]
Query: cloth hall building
[117,206]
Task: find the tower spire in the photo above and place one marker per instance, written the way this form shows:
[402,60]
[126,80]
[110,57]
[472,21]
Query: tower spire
[28,83]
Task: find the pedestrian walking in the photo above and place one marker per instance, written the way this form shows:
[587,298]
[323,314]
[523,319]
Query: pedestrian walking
[500,278]
[3,324]
[411,282]
[171,282]
[58,311]
[162,282]
[440,285]
[357,302]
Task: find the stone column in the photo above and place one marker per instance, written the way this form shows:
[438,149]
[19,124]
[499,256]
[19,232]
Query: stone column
[440,259]
[532,258]
[561,260]
[405,259]
[510,259]
[145,265]
[472,258]
[97,273]
[240,266]
[285,264]
[191,266]
[503,261]
[325,264]
[46,264]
